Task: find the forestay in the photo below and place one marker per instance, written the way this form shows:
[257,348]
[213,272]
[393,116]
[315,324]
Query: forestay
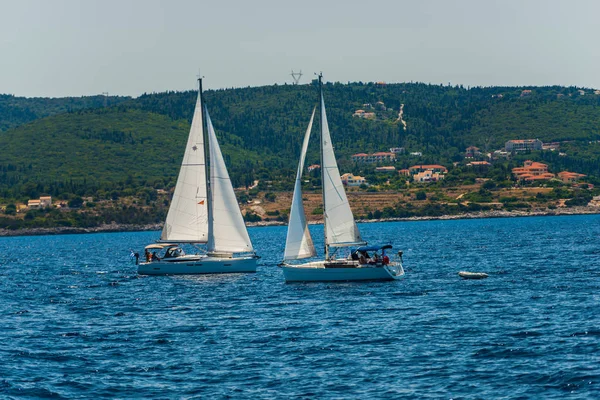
[299,243]
[228,233]
[341,230]
[187,219]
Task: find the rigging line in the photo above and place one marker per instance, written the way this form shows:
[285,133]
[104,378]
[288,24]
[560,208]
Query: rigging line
[336,190]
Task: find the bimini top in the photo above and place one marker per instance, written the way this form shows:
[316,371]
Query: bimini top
[159,246]
[372,248]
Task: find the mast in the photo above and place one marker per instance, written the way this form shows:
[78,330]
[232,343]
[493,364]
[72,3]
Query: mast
[206,161]
[322,166]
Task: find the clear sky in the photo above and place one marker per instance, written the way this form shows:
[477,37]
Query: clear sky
[60,48]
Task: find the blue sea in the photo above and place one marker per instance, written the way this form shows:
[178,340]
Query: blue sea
[77,322]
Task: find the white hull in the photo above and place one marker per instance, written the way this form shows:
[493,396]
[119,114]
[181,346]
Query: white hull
[322,271]
[472,275]
[198,265]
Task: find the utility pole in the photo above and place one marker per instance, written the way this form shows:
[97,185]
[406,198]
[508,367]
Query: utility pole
[296,76]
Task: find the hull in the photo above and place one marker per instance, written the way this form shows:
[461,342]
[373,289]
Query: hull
[472,275]
[199,265]
[322,271]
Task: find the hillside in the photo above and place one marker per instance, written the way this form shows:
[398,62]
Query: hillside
[15,111]
[138,143]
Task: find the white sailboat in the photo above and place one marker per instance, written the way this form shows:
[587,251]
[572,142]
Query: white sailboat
[204,211]
[340,228]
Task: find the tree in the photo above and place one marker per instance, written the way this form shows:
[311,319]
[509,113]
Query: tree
[10,209]
[76,202]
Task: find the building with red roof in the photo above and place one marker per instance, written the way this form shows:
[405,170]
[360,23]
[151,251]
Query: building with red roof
[569,177]
[532,171]
[378,157]
[415,169]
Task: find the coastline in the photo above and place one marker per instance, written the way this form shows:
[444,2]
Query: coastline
[579,210]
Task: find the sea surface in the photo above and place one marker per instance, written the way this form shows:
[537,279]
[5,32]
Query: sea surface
[76,321]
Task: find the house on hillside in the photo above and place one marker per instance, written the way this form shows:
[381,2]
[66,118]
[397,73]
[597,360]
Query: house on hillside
[472,152]
[351,180]
[42,202]
[428,176]
[415,169]
[386,169]
[313,167]
[378,157]
[45,201]
[33,203]
[481,165]
[522,145]
[532,171]
[551,146]
[569,177]
[363,114]
[427,173]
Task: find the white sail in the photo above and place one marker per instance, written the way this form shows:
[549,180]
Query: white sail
[341,230]
[299,243]
[228,232]
[187,219]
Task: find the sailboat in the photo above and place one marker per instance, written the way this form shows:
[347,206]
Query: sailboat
[340,228]
[204,211]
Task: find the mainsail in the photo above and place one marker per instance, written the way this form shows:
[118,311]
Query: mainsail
[299,243]
[187,219]
[341,230]
[228,231]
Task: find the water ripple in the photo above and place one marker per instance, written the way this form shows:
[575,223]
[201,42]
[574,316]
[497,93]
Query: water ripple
[77,322]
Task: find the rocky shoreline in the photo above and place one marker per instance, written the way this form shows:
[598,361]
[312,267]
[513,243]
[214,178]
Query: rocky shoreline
[69,230]
[157,227]
[500,214]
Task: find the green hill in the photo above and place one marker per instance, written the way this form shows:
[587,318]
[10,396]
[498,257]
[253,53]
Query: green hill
[15,111]
[86,149]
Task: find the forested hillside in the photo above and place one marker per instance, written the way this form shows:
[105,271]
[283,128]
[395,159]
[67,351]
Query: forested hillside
[15,111]
[58,146]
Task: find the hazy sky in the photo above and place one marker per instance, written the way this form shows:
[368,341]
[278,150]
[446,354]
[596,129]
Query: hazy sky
[83,47]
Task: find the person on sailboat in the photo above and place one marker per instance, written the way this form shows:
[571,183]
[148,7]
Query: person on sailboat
[374,259]
[170,253]
[147,255]
[363,257]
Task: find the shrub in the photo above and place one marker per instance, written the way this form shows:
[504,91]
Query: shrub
[76,202]
[488,185]
[10,209]
[270,196]
[252,217]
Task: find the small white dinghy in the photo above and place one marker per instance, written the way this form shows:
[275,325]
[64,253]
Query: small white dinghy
[472,275]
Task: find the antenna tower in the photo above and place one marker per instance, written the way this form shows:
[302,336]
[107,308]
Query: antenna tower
[296,76]
[105,94]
